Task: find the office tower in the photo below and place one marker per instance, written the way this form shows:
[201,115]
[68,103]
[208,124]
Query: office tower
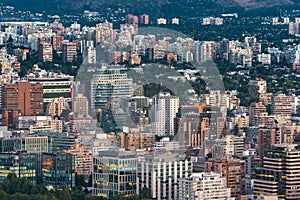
[280,173]
[81,105]
[281,105]
[83,159]
[28,97]
[144,19]
[233,170]
[45,52]
[111,83]
[114,173]
[163,113]
[22,97]
[203,186]
[69,52]
[255,110]
[36,145]
[57,42]
[58,169]
[22,164]
[56,107]
[161,173]
[59,141]
[7,144]
[257,87]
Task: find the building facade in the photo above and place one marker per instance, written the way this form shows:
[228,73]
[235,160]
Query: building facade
[280,173]
[161,174]
[114,173]
[163,114]
[203,186]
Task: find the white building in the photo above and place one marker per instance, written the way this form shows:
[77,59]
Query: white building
[204,186]
[163,112]
[161,21]
[175,21]
[161,173]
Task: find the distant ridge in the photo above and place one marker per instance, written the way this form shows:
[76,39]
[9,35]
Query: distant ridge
[164,8]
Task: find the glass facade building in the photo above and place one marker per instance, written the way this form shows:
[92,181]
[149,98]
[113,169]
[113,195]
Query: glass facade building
[23,164]
[114,173]
[58,169]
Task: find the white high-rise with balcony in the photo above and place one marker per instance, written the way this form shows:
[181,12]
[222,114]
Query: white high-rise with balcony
[163,112]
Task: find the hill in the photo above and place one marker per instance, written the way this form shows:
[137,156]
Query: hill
[162,8]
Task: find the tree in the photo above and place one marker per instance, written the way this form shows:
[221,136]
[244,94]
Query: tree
[145,193]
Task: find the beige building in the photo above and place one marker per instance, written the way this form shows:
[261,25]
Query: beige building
[282,105]
[81,105]
[56,107]
[83,159]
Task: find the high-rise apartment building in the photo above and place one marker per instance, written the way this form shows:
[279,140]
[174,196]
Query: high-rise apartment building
[69,52]
[280,173]
[203,186]
[45,52]
[163,113]
[57,42]
[281,105]
[233,170]
[144,19]
[189,131]
[255,110]
[161,174]
[205,51]
[90,55]
[229,145]
[83,159]
[104,31]
[266,138]
[132,19]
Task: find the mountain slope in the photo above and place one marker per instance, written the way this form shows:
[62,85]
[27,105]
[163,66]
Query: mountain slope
[153,7]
